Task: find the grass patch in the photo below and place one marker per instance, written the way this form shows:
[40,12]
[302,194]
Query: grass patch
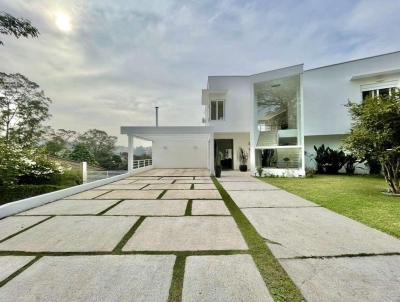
[129,234]
[357,197]
[188,210]
[278,282]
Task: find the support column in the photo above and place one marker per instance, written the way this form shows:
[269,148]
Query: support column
[130,153]
[211,153]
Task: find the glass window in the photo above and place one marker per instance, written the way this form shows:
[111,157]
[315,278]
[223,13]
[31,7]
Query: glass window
[367,94]
[217,110]
[384,92]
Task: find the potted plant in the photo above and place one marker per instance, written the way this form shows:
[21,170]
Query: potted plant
[243,156]
[217,166]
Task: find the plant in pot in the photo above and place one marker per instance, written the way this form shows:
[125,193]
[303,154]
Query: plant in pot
[243,156]
[218,167]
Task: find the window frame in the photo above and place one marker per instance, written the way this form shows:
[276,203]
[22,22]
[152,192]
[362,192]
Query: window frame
[374,88]
[216,109]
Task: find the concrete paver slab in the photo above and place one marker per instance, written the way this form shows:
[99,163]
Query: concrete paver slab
[10,264]
[177,177]
[14,224]
[350,279]
[203,177]
[72,234]
[91,194]
[223,278]
[154,181]
[142,177]
[150,208]
[194,181]
[247,185]
[188,233]
[209,207]
[267,199]
[168,187]
[131,194]
[317,231]
[204,187]
[123,182]
[72,207]
[93,278]
[237,179]
[192,194]
[134,186]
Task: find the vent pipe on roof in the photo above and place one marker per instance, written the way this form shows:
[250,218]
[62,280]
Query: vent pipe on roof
[156,116]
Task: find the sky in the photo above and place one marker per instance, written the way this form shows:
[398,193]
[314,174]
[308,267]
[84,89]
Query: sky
[106,63]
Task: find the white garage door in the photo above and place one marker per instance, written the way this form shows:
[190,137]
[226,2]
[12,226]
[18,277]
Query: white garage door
[180,152]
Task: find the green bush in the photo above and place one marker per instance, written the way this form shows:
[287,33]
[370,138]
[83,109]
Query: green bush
[13,193]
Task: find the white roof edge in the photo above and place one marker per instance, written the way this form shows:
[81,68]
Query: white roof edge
[258,73]
[138,130]
[375,74]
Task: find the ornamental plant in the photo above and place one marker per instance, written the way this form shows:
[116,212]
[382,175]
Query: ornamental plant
[375,134]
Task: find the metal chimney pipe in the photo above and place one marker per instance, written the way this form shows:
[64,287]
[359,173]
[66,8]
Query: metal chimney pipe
[156,116]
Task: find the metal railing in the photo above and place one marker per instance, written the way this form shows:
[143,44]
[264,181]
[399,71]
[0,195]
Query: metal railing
[93,175]
[141,163]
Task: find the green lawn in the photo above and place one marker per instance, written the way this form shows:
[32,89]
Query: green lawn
[357,197]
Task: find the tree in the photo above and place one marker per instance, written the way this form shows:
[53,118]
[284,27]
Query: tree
[23,109]
[375,134]
[98,142]
[58,142]
[18,27]
[82,153]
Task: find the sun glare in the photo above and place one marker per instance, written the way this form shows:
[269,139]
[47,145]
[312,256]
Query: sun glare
[63,21]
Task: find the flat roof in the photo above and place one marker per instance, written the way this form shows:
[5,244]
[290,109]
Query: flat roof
[143,130]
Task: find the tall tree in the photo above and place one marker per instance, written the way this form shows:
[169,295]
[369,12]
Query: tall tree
[98,142]
[59,141]
[18,27]
[23,109]
[375,134]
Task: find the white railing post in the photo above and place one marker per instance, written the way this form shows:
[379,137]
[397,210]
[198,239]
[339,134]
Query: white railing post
[84,172]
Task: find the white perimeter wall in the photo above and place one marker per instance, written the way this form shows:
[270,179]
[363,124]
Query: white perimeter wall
[239,140]
[180,151]
[327,89]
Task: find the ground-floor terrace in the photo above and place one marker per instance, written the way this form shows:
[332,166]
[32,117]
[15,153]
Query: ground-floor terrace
[178,234]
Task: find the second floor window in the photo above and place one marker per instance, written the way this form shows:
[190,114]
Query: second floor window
[382,92]
[217,110]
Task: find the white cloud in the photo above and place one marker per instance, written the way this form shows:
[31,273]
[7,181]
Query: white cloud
[122,58]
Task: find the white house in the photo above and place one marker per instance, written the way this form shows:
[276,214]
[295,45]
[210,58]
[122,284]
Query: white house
[277,116]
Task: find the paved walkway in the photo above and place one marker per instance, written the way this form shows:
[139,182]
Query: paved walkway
[123,242]
[328,256]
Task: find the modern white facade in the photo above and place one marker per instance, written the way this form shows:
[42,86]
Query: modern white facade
[276,116]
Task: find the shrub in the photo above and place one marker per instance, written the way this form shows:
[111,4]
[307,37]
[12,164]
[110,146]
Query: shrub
[329,161]
[25,166]
[13,192]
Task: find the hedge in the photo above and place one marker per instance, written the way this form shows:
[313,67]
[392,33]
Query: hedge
[13,193]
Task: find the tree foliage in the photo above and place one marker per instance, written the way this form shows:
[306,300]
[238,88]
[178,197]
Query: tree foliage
[375,134]
[23,109]
[17,27]
[82,153]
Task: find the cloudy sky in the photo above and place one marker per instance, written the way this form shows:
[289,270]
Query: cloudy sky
[108,63]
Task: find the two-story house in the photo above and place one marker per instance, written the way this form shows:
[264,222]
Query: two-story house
[276,116]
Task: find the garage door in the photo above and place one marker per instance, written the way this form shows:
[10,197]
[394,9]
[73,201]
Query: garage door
[180,152]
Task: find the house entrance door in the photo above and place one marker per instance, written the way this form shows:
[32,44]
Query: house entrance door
[223,148]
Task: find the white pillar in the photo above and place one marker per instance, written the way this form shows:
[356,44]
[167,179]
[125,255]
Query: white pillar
[211,153]
[130,153]
[84,172]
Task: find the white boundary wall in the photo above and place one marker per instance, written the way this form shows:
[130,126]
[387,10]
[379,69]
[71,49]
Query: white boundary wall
[18,206]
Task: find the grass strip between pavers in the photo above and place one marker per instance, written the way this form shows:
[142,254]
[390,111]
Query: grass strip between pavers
[188,211]
[175,291]
[129,234]
[275,277]
[19,271]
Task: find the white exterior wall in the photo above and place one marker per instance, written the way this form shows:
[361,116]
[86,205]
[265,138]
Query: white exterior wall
[180,151]
[327,89]
[239,140]
[238,115]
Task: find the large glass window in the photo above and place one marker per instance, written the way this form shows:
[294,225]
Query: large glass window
[382,92]
[217,110]
[277,103]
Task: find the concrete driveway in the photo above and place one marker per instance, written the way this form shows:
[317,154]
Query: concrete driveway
[122,242]
[329,257]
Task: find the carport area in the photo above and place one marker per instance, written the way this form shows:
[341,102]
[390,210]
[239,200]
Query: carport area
[174,147]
